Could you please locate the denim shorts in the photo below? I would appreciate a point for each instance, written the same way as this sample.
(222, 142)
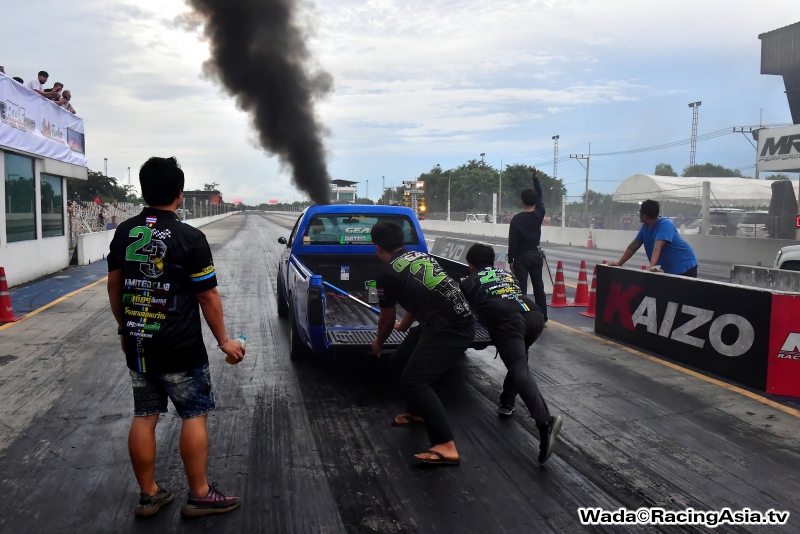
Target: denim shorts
(190, 392)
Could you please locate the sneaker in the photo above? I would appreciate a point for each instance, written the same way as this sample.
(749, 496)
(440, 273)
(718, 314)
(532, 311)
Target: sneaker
(150, 504)
(505, 410)
(548, 433)
(213, 503)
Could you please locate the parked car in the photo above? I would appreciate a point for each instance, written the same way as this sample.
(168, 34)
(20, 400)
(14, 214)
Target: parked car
(722, 221)
(477, 217)
(754, 224)
(788, 258)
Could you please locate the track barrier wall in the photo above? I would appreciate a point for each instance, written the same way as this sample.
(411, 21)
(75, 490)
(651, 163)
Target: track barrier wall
(740, 250)
(94, 246)
(745, 334)
(766, 278)
(456, 250)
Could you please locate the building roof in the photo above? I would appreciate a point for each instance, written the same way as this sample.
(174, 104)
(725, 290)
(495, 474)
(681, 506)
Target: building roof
(689, 190)
(783, 29)
(343, 183)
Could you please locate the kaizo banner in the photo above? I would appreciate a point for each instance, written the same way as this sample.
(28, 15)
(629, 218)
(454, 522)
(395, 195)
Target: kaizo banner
(720, 328)
(31, 123)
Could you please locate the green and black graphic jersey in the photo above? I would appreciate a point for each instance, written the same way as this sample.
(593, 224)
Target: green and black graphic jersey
(420, 286)
(164, 263)
(494, 294)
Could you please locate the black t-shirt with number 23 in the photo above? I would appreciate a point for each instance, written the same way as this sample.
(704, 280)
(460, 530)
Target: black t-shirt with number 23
(164, 264)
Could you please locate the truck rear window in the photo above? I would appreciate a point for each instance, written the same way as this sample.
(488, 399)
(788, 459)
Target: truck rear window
(353, 229)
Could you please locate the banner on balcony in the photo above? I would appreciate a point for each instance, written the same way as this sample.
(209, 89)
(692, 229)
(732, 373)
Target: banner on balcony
(33, 124)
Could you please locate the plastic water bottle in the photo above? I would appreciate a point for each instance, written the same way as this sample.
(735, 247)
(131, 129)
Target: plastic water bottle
(241, 340)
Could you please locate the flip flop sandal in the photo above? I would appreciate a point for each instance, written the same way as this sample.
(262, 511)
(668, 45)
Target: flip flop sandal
(441, 460)
(410, 422)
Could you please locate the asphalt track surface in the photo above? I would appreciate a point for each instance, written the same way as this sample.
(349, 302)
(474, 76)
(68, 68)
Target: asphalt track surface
(309, 445)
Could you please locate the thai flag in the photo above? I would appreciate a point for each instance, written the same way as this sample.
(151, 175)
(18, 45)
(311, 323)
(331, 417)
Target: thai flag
(151, 220)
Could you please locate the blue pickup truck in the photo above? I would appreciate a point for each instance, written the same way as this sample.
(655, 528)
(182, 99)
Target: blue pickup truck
(332, 244)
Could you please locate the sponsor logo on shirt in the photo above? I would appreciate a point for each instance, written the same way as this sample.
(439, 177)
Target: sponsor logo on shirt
(144, 326)
(146, 284)
(143, 300)
(144, 314)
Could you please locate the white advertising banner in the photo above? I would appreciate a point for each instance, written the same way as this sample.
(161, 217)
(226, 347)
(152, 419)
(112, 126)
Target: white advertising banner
(31, 123)
(779, 149)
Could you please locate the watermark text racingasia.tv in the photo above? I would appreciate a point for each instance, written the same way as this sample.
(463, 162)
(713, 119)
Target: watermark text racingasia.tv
(686, 517)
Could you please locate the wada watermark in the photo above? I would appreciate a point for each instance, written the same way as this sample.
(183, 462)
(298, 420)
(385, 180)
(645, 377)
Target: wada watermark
(689, 516)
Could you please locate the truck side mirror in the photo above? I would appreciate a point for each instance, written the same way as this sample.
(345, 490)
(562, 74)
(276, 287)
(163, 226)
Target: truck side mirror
(282, 240)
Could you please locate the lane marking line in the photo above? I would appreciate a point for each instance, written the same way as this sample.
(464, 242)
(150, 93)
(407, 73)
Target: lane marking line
(51, 304)
(730, 387)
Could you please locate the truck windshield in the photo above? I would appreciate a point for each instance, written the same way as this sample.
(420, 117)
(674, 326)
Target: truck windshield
(353, 229)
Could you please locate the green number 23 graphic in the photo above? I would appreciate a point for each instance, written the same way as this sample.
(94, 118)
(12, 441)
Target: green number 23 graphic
(132, 252)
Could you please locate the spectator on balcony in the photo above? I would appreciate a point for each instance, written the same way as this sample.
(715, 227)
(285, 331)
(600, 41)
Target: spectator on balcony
(97, 199)
(66, 96)
(37, 85)
(2, 69)
(78, 199)
(54, 93)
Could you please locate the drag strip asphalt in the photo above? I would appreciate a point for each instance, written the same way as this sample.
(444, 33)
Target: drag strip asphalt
(309, 447)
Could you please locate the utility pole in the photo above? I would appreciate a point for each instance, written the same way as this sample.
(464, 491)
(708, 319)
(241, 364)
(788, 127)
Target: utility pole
(105, 167)
(555, 156)
(383, 190)
(586, 157)
(129, 176)
(367, 195)
(695, 108)
(500, 195)
(744, 130)
(482, 159)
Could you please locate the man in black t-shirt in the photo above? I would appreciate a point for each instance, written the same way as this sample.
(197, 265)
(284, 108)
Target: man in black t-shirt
(446, 329)
(159, 270)
(525, 256)
(514, 323)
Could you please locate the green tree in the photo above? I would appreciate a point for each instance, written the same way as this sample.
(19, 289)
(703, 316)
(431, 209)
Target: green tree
(106, 186)
(665, 169)
(210, 187)
(709, 170)
(778, 176)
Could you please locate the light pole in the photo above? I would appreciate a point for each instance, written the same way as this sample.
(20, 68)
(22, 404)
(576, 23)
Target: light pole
(500, 193)
(482, 159)
(586, 194)
(105, 167)
(555, 156)
(383, 190)
(449, 177)
(695, 108)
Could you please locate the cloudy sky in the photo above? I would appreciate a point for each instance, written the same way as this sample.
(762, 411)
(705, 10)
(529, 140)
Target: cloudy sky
(418, 83)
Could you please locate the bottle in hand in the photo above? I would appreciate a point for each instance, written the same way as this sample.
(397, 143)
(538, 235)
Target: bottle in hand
(241, 340)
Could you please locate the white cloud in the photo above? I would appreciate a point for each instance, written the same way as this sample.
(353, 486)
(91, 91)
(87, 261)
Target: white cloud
(416, 82)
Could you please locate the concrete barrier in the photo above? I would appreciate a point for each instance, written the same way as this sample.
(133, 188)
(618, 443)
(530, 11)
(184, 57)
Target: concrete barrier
(731, 250)
(766, 278)
(94, 246)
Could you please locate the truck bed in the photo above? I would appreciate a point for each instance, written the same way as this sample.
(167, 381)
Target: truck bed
(352, 326)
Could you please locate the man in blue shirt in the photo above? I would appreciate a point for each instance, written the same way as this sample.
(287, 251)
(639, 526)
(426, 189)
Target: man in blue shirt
(663, 244)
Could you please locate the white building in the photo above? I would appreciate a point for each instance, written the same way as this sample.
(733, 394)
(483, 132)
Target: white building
(343, 191)
(41, 145)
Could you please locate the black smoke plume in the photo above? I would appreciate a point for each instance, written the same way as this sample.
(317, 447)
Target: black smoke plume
(259, 55)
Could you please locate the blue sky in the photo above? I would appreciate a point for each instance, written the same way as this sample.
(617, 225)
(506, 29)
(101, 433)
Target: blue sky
(419, 83)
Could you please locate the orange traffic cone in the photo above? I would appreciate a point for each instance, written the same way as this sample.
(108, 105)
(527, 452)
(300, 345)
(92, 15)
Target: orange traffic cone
(590, 244)
(590, 312)
(582, 292)
(559, 299)
(6, 311)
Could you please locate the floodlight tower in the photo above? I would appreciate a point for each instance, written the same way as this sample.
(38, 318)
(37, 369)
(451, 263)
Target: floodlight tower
(695, 108)
(555, 157)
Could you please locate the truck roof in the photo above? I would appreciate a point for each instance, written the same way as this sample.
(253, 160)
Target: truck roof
(360, 208)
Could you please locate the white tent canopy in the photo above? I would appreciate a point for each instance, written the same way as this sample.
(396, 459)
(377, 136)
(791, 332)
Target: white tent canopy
(737, 192)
